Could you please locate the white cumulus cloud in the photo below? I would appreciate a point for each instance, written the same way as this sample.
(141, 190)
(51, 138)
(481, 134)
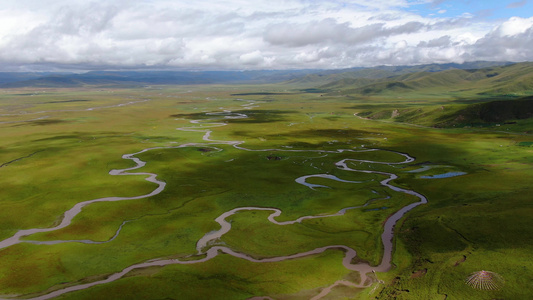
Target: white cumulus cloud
(239, 34)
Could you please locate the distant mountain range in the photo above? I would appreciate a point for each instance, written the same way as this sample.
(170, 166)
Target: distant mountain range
(384, 72)
(355, 77)
(141, 78)
(503, 79)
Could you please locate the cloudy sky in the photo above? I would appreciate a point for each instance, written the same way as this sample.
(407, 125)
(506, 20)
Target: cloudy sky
(259, 34)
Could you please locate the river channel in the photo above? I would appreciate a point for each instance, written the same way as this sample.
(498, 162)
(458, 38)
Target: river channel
(205, 250)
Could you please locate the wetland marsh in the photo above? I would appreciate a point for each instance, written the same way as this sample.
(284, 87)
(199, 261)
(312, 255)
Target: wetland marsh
(189, 192)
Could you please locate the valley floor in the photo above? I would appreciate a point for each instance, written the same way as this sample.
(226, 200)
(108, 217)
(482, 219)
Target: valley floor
(266, 196)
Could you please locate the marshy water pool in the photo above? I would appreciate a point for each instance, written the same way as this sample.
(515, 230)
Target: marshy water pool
(445, 175)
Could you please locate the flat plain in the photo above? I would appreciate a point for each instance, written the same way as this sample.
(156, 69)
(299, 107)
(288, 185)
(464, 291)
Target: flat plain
(260, 149)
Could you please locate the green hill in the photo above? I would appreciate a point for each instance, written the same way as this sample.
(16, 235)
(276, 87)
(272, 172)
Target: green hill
(451, 98)
(509, 79)
(491, 112)
(335, 78)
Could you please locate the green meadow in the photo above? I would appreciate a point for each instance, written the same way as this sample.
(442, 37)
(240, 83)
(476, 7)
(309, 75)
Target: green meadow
(57, 147)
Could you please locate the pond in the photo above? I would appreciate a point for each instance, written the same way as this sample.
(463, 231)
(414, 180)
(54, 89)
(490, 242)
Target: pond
(445, 175)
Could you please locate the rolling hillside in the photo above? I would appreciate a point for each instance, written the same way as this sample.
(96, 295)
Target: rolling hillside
(492, 96)
(362, 76)
(515, 78)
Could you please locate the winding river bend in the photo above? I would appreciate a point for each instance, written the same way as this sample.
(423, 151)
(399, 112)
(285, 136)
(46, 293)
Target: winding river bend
(204, 249)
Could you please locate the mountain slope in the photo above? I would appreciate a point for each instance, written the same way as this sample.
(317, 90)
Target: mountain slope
(331, 77)
(515, 78)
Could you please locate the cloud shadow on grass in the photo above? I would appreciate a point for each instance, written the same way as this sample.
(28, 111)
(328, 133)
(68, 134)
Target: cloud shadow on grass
(254, 116)
(44, 122)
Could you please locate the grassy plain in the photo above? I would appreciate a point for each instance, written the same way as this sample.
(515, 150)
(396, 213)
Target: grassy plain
(58, 145)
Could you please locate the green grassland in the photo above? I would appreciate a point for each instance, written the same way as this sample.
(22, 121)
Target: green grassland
(58, 145)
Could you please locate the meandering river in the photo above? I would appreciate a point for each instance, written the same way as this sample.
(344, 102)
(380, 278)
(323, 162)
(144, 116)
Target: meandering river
(204, 249)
